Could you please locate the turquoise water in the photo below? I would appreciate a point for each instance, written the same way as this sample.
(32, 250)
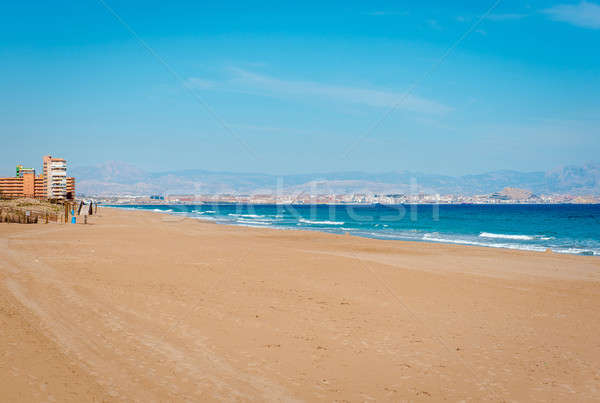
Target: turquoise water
(573, 229)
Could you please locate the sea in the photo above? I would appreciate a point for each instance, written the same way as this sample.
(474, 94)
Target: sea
(563, 228)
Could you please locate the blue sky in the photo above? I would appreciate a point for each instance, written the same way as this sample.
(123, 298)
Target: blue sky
(309, 87)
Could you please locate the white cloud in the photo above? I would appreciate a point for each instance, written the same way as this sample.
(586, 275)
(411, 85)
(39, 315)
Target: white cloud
(251, 83)
(199, 83)
(584, 14)
(434, 25)
(505, 17)
(494, 17)
(377, 13)
(380, 13)
(383, 99)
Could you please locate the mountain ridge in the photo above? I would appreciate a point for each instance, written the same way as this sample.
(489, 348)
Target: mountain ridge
(119, 178)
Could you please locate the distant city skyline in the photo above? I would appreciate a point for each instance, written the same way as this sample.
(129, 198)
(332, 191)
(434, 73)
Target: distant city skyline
(451, 88)
(118, 178)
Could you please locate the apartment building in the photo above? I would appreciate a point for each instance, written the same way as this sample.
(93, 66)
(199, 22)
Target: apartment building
(22, 171)
(53, 183)
(55, 176)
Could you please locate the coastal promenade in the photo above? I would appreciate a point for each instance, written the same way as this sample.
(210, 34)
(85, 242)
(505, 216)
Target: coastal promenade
(145, 306)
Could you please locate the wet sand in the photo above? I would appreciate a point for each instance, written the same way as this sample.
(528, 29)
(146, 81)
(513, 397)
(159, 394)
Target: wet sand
(149, 307)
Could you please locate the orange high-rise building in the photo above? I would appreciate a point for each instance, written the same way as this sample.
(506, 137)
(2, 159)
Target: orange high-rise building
(52, 184)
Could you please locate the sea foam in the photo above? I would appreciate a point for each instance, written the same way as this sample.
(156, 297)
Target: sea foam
(429, 237)
(314, 222)
(507, 236)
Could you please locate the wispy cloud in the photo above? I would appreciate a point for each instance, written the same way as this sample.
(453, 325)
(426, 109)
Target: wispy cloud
(381, 13)
(377, 13)
(250, 82)
(506, 17)
(494, 17)
(370, 97)
(433, 24)
(584, 14)
(274, 129)
(199, 83)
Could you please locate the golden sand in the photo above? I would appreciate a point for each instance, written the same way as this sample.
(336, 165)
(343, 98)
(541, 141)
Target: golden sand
(148, 307)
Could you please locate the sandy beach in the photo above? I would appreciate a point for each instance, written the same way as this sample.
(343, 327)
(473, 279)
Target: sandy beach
(141, 306)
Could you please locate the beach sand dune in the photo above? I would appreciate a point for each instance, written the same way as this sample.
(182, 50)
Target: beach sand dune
(146, 307)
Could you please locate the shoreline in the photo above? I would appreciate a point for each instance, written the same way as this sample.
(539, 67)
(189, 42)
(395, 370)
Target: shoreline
(345, 204)
(506, 245)
(142, 306)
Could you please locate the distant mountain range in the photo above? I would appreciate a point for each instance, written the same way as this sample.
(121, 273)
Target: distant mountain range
(118, 178)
